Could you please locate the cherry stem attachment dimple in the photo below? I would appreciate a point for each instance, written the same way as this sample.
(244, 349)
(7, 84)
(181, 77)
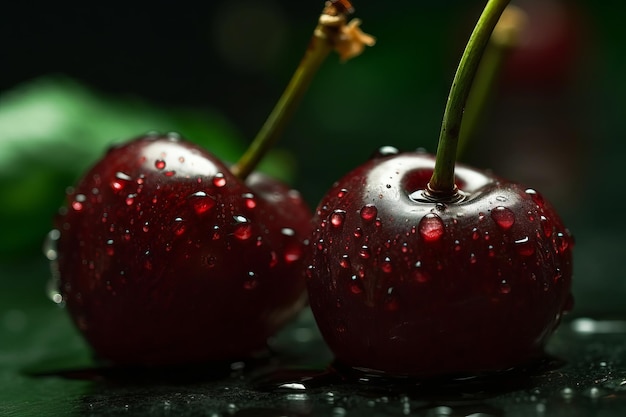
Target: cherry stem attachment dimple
(442, 182)
(333, 32)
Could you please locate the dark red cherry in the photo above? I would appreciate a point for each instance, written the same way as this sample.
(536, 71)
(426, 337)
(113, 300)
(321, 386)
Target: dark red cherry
(406, 284)
(165, 257)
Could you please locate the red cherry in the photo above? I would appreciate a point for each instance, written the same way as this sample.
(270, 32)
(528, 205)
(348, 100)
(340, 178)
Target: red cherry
(475, 284)
(166, 257)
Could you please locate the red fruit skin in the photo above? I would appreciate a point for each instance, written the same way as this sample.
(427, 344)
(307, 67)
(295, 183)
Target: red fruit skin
(166, 258)
(427, 289)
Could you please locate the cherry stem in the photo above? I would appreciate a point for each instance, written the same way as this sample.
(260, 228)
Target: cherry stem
(504, 39)
(442, 182)
(332, 32)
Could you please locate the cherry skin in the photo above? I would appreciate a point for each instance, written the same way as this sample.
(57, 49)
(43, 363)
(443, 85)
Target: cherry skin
(165, 257)
(405, 285)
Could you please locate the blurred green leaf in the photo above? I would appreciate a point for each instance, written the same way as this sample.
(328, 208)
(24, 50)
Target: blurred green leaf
(53, 129)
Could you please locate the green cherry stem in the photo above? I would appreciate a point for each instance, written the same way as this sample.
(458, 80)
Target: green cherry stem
(332, 32)
(504, 39)
(441, 184)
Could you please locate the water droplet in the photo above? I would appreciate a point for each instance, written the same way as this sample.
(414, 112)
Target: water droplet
(344, 262)
(491, 251)
(475, 234)
(546, 225)
(503, 217)
(251, 282)
(505, 287)
(201, 202)
(342, 193)
(369, 212)
(159, 164)
(473, 258)
(179, 226)
(365, 252)
(431, 227)
(337, 218)
(120, 181)
(169, 173)
(358, 233)
(355, 285)
(457, 246)
(561, 242)
(130, 199)
(77, 204)
(501, 198)
(524, 246)
(386, 265)
(50, 244)
(219, 180)
(537, 198)
(287, 231)
(292, 253)
(109, 249)
(384, 151)
(243, 228)
(249, 200)
(146, 227)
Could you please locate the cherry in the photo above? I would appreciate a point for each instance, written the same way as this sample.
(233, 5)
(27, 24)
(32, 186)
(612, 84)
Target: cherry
(166, 256)
(421, 267)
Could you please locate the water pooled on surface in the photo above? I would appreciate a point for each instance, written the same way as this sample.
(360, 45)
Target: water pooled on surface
(431, 227)
(369, 212)
(503, 217)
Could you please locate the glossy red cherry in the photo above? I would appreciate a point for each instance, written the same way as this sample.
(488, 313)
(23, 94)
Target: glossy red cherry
(405, 285)
(165, 257)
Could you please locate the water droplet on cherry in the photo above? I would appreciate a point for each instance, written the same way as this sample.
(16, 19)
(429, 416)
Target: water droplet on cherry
(179, 226)
(384, 151)
(342, 193)
(386, 265)
(344, 262)
(243, 228)
(524, 246)
(503, 217)
(251, 282)
(159, 164)
(536, 197)
(369, 212)
(364, 252)
(431, 227)
(337, 218)
(201, 202)
(218, 180)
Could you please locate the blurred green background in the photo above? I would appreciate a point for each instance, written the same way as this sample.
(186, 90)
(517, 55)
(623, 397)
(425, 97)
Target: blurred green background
(78, 77)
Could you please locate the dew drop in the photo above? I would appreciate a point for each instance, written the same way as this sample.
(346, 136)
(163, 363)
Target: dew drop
(546, 225)
(120, 181)
(243, 228)
(344, 262)
(159, 164)
(109, 249)
(287, 231)
(130, 199)
(503, 217)
(505, 287)
(179, 226)
(364, 252)
(273, 259)
(561, 242)
(369, 212)
(536, 197)
(337, 218)
(473, 258)
(146, 227)
(431, 227)
(169, 173)
(355, 285)
(219, 180)
(475, 234)
(342, 193)
(292, 253)
(201, 202)
(501, 198)
(384, 151)
(249, 200)
(524, 246)
(358, 233)
(386, 265)
(457, 246)
(77, 204)
(251, 282)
